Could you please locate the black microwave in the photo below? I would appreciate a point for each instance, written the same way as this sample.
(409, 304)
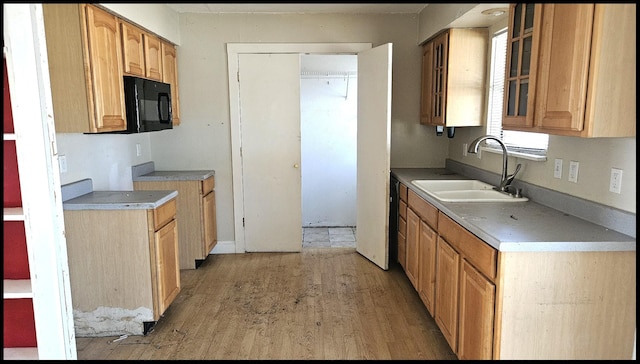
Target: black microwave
(148, 105)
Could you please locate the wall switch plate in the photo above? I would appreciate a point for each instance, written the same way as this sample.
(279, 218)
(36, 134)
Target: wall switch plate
(465, 146)
(573, 171)
(62, 160)
(557, 169)
(138, 150)
(615, 184)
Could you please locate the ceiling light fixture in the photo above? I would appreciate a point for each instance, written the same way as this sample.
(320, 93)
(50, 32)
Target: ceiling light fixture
(495, 11)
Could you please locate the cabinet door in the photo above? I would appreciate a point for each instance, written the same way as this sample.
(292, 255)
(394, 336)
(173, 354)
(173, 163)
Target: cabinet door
(166, 265)
(439, 79)
(427, 268)
(413, 235)
(563, 66)
(522, 50)
(132, 50)
(209, 225)
(152, 57)
(447, 280)
(477, 304)
(105, 60)
(426, 90)
(170, 76)
(402, 232)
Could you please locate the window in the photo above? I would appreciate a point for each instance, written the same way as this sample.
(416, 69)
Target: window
(523, 144)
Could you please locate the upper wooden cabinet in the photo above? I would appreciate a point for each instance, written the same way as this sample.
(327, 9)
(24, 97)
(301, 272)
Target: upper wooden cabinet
(85, 64)
(571, 70)
(152, 57)
(454, 77)
(141, 52)
(170, 76)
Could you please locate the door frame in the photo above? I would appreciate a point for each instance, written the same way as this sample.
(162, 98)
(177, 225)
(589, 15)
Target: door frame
(233, 50)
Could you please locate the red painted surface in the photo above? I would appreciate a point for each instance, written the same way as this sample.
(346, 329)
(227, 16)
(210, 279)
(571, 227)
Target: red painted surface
(8, 117)
(19, 327)
(11, 189)
(19, 323)
(15, 258)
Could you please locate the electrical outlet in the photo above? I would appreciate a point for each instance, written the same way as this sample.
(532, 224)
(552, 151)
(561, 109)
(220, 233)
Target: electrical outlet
(557, 169)
(573, 171)
(465, 147)
(62, 160)
(615, 184)
(138, 150)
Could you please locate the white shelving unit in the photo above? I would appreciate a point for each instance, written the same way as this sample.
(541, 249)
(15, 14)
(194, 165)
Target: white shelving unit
(48, 288)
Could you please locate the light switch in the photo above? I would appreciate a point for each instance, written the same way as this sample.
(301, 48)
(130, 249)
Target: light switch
(557, 169)
(62, 160)
(573, 171)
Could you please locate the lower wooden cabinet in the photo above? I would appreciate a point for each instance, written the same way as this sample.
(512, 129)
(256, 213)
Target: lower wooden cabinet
(196, 204)
(123, 268)
(492, 304)
(427, 266)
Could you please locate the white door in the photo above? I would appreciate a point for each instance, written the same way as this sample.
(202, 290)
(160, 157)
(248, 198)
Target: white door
(270, 150)
(374, 145)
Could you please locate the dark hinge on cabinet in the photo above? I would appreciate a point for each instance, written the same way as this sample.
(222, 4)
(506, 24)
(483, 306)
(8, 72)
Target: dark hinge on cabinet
(238, 75)
(243, 222)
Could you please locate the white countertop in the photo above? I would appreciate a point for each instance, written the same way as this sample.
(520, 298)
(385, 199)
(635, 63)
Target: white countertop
(520, 226)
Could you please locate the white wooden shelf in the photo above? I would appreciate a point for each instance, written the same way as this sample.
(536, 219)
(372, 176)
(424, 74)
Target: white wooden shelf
(17, 288)
(9, 136)
(13, 214)
(20, 354)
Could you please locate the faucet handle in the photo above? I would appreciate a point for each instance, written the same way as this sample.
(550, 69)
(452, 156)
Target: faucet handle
(516, 171)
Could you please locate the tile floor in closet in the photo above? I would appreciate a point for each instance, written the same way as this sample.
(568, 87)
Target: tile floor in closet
(328, 237)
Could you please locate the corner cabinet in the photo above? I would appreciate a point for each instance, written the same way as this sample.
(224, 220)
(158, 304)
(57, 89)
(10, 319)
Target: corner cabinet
(85, 65)
(170, 76)
(454, 72)
(571, 69)
(123, 265)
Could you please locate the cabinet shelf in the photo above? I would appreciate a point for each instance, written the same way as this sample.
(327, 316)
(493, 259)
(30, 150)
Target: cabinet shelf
(17, 288)
(13, 214)
(20, 354)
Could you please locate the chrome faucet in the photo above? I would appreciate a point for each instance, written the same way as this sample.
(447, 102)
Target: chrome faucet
(506, 180)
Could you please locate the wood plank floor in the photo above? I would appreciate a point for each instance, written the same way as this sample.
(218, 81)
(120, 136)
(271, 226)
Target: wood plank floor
(329, 303)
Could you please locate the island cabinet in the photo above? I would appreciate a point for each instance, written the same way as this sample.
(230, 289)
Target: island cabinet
(85, 64)
(529, 304)
(196, 212)
(571, 69)
(453, 78)
(123, 264)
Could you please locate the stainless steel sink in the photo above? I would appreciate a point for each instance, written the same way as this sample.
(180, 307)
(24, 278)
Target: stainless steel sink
(464, 191)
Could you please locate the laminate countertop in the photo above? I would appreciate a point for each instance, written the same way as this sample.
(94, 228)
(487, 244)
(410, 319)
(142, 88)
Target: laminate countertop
(147, 172)
(80, 196)
(519, 226)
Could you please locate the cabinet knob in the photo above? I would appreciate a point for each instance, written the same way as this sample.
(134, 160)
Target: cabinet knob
(296, 165)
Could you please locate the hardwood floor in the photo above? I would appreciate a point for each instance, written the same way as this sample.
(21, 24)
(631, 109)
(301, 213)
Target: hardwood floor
(329, 303)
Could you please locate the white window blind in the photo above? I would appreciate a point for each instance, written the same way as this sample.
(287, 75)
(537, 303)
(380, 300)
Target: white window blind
(516, 141)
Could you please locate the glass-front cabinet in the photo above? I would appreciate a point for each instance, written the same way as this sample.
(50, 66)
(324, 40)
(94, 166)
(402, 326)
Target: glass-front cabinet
(520, 75)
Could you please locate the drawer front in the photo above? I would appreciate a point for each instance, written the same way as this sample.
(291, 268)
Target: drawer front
(476, 251)
(208, 185)
(403, 192)
(164, 213)
(425, 210)
(402, 209)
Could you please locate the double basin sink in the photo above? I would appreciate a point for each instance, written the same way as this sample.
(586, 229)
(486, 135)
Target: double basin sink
(464, 191)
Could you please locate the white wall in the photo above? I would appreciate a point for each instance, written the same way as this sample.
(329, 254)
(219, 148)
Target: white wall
(328, 107)
(203, 140)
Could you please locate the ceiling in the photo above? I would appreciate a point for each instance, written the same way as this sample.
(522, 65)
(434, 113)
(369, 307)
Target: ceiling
(473, 18)
(299, 8)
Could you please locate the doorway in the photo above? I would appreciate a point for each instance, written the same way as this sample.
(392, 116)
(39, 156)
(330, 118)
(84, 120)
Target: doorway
(328, 123)
(374, 110)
